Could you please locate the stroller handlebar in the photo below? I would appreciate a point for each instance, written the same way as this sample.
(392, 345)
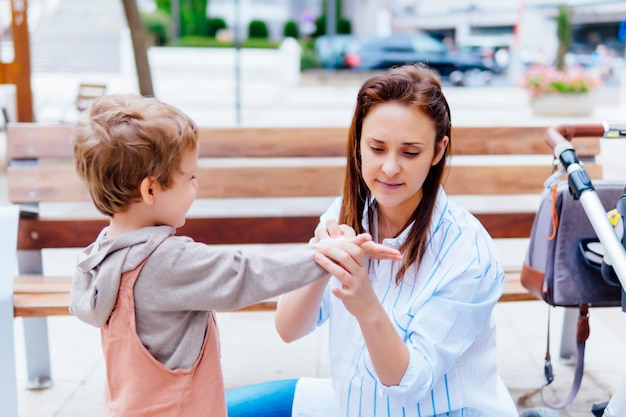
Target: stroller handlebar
(565, 133)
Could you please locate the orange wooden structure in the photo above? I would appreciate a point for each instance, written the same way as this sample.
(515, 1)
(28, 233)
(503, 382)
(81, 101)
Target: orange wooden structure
(18, 71)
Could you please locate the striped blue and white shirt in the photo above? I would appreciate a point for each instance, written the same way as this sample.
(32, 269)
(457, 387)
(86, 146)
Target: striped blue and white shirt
(442, 309)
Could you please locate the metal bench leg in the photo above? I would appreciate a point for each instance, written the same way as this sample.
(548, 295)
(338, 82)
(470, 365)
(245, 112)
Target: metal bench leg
(37, 353)
(567, 353)
(8, 244)
(8, 378)
(35, 331)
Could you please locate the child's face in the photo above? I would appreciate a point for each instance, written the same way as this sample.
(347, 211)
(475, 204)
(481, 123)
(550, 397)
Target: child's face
(172, 204)
(397, 151)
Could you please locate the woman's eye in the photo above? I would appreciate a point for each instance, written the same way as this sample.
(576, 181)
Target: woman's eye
(376, 149)
(411, 154)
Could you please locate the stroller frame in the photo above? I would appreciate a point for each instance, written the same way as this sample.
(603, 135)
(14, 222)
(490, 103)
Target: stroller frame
(581, 188)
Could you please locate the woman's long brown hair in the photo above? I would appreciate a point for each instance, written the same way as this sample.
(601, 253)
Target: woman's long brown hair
(412, 85)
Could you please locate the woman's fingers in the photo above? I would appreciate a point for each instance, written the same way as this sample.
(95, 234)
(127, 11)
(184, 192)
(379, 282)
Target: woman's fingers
(334, 268)
(333, 229)
(346, 231)
(321, 233)
(338, 292)
(347, 253)
(377, 251)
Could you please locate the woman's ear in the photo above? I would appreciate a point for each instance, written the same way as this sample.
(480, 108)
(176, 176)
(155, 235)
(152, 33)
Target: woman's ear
(146, 190)
(440, 150)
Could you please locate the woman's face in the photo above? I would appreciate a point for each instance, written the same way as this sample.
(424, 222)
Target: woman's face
(397, 151)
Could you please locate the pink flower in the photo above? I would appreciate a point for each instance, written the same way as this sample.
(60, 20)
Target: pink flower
(544, 79)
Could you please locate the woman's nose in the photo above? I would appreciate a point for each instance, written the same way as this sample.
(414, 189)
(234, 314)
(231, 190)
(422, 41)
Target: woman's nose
(390, 166)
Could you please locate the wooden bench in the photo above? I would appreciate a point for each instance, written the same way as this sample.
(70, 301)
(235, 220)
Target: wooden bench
(87, 93)
(258, 186)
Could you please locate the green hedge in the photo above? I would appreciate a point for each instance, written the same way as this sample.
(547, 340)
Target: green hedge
(291, 30)
(214, 25)
(257, 29)
(206, 41)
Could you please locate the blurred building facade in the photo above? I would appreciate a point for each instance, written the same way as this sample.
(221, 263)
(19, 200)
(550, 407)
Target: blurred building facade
(526, 25)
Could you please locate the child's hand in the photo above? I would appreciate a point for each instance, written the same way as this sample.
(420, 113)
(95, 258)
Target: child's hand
(334, 230)
(364, 241)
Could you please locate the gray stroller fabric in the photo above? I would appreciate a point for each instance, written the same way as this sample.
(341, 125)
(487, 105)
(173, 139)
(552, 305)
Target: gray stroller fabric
(569, 281)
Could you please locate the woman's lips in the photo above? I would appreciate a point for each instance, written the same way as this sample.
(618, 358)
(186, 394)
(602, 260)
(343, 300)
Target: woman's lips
(390, 185)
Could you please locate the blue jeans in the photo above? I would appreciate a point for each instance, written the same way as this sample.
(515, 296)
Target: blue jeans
(266, 399)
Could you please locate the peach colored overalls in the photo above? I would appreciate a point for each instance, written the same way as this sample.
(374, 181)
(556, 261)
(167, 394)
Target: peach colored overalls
(139, 386)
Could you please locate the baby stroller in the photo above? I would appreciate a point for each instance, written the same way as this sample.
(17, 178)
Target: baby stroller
(613, 262)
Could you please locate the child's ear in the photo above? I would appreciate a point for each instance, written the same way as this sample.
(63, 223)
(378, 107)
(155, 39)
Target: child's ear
(146, 190)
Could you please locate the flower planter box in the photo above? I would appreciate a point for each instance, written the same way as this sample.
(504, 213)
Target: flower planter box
(564, 104)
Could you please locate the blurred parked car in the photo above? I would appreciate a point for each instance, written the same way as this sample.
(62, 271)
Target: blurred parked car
(329, 50)
(496, 58)
(386, 52)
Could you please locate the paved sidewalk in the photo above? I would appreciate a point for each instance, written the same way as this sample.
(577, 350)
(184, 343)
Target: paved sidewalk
(78, 371)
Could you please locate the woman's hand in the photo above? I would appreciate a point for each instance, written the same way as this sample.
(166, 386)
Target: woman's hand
(332, 229)
(345, 259)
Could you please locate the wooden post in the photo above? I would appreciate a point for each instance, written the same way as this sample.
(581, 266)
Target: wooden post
(18, 72)
(138, 37)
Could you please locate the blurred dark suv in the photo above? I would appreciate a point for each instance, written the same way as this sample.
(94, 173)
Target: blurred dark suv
(385, 52)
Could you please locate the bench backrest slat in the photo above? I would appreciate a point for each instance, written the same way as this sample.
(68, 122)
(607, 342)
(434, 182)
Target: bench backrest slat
(32, 184)
(34, 141)
(512, 140)
(41, 233)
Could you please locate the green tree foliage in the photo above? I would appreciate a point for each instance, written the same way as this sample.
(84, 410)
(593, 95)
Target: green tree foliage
(193, 19)
(564, 35)
(344, 26)
(308, 57)
(257, 29)
(164, 5)
(291, 30)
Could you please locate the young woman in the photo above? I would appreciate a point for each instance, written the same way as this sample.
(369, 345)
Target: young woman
(414, 337)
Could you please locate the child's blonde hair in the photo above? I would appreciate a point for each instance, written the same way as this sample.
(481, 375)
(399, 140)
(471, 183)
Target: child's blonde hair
(122, 139)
